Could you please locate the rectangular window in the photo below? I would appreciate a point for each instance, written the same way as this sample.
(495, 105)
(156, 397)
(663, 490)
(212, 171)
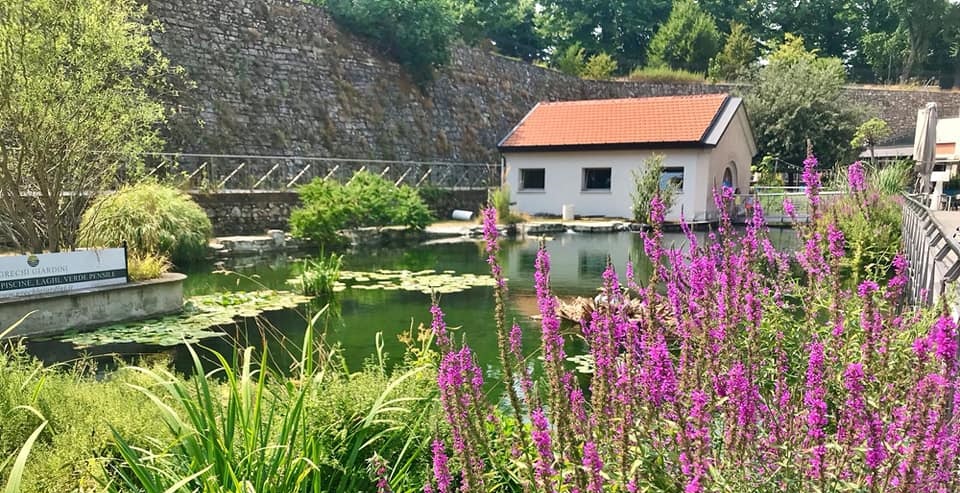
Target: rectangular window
(672, 178)
(596, 179)
(532, 178)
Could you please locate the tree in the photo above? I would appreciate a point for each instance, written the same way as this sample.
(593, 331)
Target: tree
(73, 105)
(571, 60)
(417, 34)
(869, 134)
(886, 54)
(504, 26)
(687, 41)
(922, 22)
(647, 184)
(599, 66)
(798, 96)
(622, 28)
(739, 52)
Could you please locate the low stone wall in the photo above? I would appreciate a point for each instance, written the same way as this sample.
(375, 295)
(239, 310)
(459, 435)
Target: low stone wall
(244, 212)
(56, 313)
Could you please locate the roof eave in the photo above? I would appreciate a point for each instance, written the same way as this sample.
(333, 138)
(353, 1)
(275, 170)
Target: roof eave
(620, 146)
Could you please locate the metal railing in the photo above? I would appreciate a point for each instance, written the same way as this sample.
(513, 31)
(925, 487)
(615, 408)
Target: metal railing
(214, 172)
(933, 253)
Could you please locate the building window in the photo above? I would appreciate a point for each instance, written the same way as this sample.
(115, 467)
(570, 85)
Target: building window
(596, 178)
(532, 178)
(672, 178)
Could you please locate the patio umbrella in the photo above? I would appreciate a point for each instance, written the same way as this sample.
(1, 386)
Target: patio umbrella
(925, 144)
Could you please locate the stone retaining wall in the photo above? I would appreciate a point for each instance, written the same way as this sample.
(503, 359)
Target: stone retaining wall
(278, 77)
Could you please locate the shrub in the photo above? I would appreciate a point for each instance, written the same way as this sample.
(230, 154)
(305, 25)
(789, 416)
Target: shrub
(666, 75)
(416, 34)
(500, 200)
(646, 186)
(893, 178)
(599, 66)
(152, 219)
(366, 200)
(570, 60)
(142, 267)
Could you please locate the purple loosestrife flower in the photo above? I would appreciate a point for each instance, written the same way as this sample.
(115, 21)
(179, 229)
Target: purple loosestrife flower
(852, 423)
(943, 338)
(550, 322)
(441, 472)
(657, 375)
(541, 439)
(657, 211)
(594, 465)
(439, 327)
(697, 434)
(811, 180)
(789, 209)
(901, 275)
(856, 177)
(491, 234)
(813, 400)
(836, 241)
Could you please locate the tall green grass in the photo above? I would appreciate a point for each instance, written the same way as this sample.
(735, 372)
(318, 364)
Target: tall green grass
(152, 219)
(320, 275)
(262, 431)
(666, 75)
(893, 178)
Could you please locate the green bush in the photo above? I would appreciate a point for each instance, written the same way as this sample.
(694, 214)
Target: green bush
(415, 34)
(152, 219)
(367, 200)
(79, 410)
(600, 66)
(646, 185)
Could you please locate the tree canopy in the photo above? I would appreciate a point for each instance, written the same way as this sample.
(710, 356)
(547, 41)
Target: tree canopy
(687, 41)
(796, 97)
(73, 106)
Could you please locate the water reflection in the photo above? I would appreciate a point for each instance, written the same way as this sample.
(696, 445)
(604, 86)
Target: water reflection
(577, 263)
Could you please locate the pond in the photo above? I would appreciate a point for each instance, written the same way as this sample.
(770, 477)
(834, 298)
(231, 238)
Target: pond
(356, 316)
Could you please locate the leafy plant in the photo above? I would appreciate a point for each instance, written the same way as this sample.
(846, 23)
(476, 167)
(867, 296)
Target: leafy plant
(892, 178)
(647, 184)
(153, 219)
(687, 41)
(320, 276)
(416, 34)
(600, 66)
(259, 430)
(142, 267)
(366, 200)
(501, 200)
(738, 54)
(570, 60)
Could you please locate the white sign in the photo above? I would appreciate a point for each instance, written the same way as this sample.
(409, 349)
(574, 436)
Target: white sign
(26, 275)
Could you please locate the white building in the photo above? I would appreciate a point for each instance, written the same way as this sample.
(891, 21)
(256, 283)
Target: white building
(583, 153)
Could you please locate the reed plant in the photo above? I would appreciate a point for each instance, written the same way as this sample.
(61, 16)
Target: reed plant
(256, 431)
(320, 275)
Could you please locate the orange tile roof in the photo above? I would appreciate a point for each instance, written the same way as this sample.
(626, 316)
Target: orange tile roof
(633, 121)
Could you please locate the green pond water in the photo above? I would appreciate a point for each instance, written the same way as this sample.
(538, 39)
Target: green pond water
(356, 316)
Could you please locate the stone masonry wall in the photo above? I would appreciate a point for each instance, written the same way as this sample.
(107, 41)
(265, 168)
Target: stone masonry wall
(278, 77)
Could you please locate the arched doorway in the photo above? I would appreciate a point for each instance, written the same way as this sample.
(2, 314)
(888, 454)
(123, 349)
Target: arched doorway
(730, 176)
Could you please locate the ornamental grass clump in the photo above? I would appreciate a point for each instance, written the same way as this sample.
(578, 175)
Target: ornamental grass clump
(746, 369)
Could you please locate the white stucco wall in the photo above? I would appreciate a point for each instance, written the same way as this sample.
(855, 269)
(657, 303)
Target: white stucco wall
(563, 178)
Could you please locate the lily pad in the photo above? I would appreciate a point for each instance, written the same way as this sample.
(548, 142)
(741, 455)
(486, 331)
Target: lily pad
(200, 315)
(426, 281)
